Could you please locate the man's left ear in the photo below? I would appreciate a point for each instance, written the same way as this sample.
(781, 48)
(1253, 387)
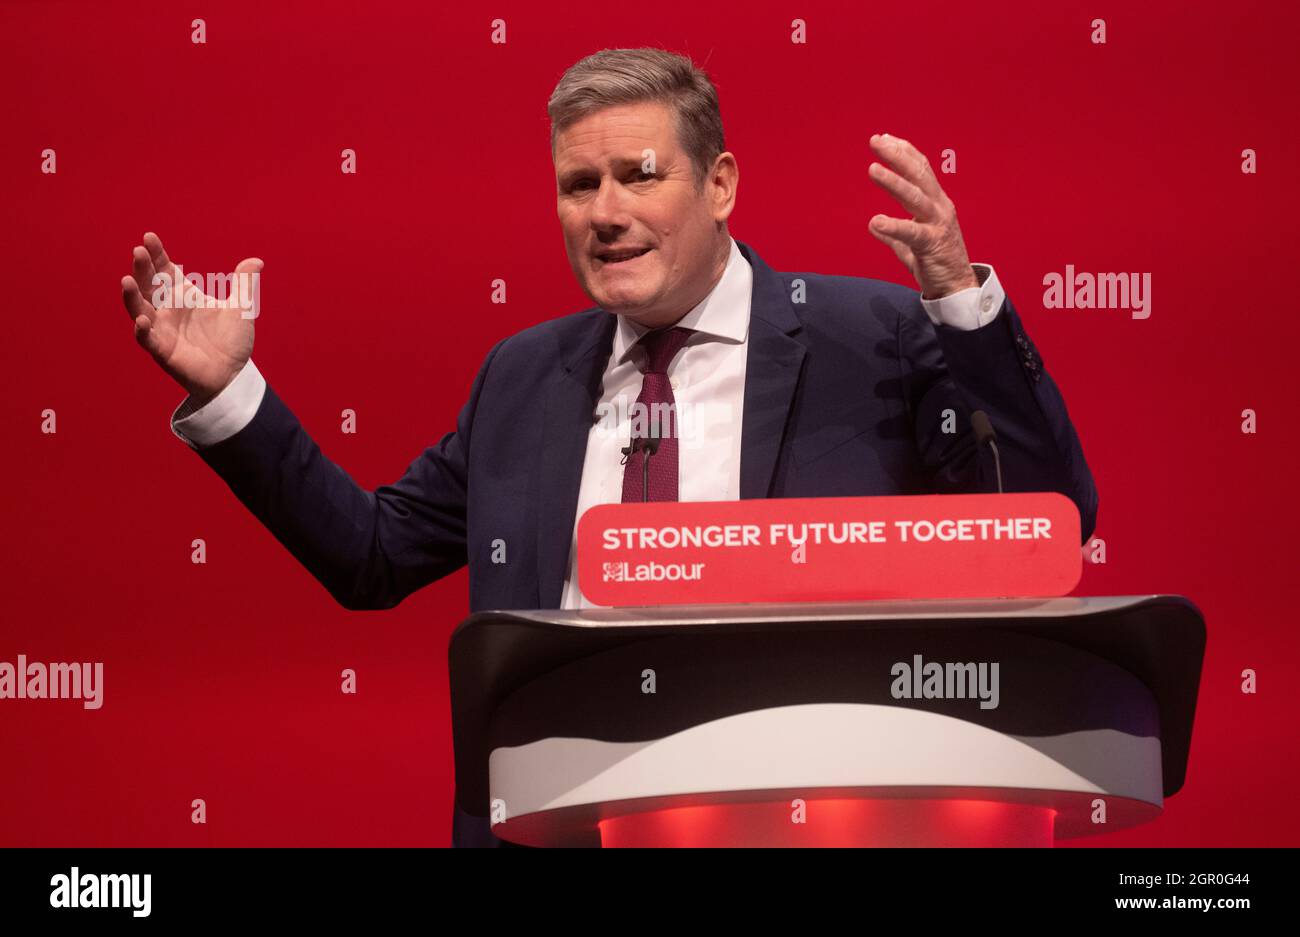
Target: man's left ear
(725, 187)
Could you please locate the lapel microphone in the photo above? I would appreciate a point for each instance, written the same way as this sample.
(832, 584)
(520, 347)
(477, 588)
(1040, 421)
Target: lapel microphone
(649, 445)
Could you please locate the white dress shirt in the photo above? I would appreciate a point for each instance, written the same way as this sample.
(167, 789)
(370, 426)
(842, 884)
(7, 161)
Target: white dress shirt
(707, 378)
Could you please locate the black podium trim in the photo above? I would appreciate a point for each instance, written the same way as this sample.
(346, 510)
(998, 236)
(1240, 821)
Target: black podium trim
(1160, 639)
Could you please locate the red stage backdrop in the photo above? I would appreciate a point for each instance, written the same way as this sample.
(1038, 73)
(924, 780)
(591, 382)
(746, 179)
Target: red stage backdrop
(222, 680)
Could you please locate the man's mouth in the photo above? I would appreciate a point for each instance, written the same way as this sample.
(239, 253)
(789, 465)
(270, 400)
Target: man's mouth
(622, 256)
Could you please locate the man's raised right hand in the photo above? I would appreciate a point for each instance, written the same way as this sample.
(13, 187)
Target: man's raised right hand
(202, 348)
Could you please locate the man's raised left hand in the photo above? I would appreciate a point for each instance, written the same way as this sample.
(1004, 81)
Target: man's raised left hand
(929, 244)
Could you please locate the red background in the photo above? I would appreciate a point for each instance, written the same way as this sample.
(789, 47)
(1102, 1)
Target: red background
(222, 680)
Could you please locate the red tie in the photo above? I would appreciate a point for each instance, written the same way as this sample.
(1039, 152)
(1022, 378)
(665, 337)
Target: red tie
(657, 416)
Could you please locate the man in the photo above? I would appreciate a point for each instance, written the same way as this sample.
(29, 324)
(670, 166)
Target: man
(809, 385)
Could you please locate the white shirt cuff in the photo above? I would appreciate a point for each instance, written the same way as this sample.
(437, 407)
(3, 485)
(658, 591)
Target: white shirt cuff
(225, 414)
(971, 308)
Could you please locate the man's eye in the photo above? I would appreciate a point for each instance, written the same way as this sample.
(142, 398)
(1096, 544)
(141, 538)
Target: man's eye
(588, 183)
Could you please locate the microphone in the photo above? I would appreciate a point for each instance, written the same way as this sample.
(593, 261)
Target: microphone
(983, 429)
(649, 445)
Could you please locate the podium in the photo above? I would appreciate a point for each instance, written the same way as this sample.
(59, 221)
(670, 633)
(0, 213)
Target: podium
(820, 724)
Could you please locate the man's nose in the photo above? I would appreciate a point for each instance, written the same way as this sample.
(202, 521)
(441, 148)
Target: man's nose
(608, 209)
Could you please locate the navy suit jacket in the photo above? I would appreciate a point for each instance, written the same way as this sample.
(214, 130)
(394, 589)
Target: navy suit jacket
(845, 393)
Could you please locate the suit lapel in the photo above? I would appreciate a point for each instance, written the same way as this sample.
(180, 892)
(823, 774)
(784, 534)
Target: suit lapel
(571, 398)
(772, 368)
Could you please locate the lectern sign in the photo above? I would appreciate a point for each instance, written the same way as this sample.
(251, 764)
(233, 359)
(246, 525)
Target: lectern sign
(829, 549)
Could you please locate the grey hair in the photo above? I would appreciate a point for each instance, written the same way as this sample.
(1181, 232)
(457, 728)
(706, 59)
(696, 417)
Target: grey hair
(632, 76)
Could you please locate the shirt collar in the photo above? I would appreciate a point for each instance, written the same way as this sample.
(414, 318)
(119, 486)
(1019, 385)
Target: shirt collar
(722, 314)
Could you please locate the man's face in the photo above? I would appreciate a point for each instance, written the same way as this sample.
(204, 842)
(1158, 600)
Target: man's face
(609, 209)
